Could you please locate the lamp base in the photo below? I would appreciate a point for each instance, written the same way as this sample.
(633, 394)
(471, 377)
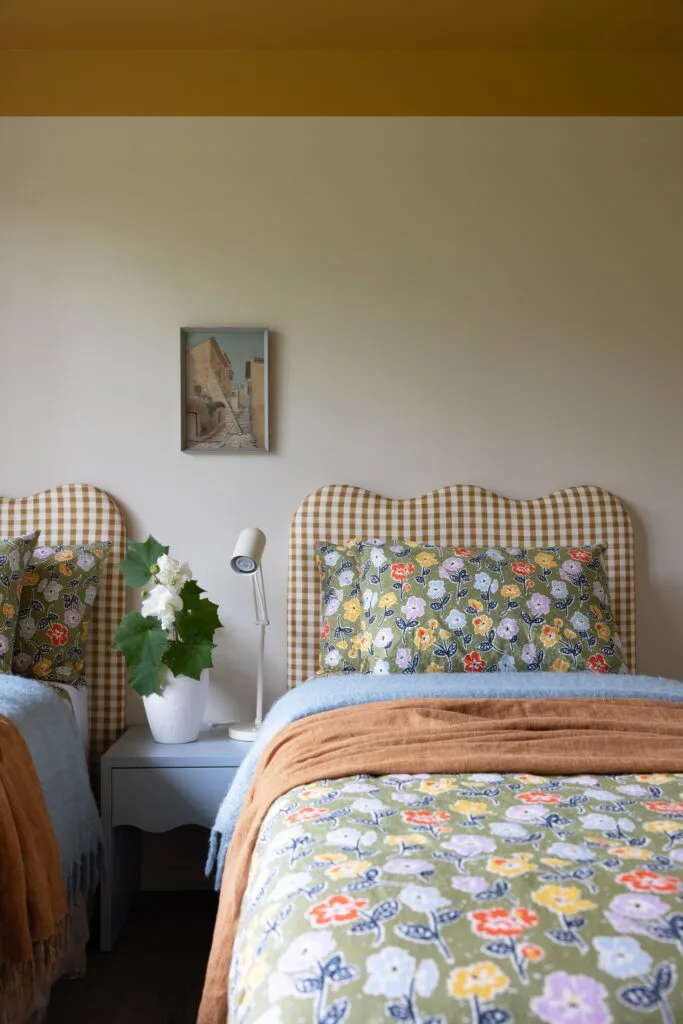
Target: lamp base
(245, 731)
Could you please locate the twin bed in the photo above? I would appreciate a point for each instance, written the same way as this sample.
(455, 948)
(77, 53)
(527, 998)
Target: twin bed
(50, 836)
(494, 843)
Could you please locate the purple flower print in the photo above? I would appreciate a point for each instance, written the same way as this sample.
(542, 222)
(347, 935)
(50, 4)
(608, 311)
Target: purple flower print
(469, 846)
(585, 780)
(538, 604)
(21, 662)
(332, 606)
(508, 629)
(570, 998)
(72, 618)
(403, 657)
(558, 589)
(469, 883)
(4, 645)
(414, 607)
(42, 553)
(531, 812)
(569, 569)
(632, 790)
(632, 912)
(409, 866)
(528, 653)
(405, 798)
(452, 564)
(676, 855)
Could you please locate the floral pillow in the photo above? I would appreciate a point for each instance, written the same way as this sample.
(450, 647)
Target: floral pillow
(57, 599)
(15, 555)
(340, 606)
(433, 609)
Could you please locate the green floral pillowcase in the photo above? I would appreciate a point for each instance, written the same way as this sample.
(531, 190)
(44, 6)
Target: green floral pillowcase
(15, 555)
(59, 591)
(341, 609)
(433, 609)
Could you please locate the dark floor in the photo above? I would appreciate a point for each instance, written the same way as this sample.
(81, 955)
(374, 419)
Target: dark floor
(155, 972)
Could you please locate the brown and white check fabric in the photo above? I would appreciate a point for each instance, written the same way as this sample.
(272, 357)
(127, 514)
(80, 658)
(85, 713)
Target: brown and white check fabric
(81, 514)
(461, 515)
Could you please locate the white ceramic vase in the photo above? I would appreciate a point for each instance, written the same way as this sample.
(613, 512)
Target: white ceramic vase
(175, 716)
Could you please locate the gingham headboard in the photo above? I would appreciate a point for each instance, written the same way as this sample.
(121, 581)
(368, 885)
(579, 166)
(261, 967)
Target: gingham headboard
(76, 514)
(458, 515)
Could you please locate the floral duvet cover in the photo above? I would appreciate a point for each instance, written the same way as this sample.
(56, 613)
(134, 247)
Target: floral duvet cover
(488, 898)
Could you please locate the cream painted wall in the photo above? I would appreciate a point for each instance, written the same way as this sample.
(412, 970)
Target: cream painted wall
(480, 300)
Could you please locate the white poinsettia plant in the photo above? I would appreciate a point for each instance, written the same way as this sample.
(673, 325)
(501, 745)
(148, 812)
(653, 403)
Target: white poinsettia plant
(175, 626)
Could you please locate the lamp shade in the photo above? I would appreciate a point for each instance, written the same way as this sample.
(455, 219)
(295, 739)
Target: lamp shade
(248, 552)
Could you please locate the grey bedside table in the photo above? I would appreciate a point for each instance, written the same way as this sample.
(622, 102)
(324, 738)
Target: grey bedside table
(155, 787)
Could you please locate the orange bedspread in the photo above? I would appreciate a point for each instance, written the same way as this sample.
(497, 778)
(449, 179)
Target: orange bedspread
(549, 737)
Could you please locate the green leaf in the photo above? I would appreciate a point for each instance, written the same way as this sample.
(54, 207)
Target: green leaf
(137, 565)
(198, 621)
(188, 659)
(143, 644)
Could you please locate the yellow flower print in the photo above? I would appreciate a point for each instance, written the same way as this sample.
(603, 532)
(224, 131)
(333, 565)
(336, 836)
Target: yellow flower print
(530, 778)
(351, 542)
(550, 636)
(312, 792)
(656, 779)
(545, 560)
(473, 807)
(42, 668)
(597, 612)
(562, 899)
(559, 665)
(8, 611)
(30, 579)
(510, 590)
(437, 785)
(353, 653)
(330, 858)
(558, 623)
(352, 609)
(85, 629)
(474, 606)
(603, 631)
(433, 623)
(433, 667)
(258, 974)
(362, 641)
(482, 980)
(426, 559)
(423, 638)
(79, 666)
(350, 869)
(510, 867)
(482, 624)
(409, 839)
(570, 634)
(65, 569)
(444, 634)
(631, 852)
(673, 828)
(64, 556)
(342, 644)
(555, 862)
(386, 600)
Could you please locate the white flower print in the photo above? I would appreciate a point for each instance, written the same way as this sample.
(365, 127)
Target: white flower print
(381, 667)
(389, 973)
(426, 978)
(290, 884)
(332, 557)
(423, 898)
(368, 806)
(332, 658)
(385, 637)
(377, 557)
(280, 986)
(306, 950)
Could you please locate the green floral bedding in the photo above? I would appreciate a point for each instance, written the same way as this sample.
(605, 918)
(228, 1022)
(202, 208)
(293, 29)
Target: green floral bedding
(487, 898)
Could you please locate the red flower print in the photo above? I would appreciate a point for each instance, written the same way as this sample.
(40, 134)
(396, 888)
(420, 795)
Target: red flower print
(463, 552)
(531, 952)
(305, 814)
(648, 881)
(597, 663)
(58, 634)
(401, 570)
(325, 630)
(522, 568)
(579, 555)
(336, 910)
(538, 797)
(501, 921)
(662, 807)
(428, 818)
(474, 662)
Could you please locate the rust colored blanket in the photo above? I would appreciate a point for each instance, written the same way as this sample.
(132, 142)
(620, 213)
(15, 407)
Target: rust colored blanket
(549, 737)
(32, 891)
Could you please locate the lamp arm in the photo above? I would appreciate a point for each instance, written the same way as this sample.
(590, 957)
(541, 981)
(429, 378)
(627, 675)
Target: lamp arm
(261, 610)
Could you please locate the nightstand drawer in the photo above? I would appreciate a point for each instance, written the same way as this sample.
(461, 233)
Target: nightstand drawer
(159, 799)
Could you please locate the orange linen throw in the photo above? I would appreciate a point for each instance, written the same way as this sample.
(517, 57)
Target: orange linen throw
(548, 737)
(33, 901)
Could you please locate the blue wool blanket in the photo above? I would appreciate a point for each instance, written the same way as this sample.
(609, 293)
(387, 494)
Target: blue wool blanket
(325, 693)
(49, 729)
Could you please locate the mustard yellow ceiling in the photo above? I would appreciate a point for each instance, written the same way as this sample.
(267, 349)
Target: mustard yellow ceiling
(350, 24)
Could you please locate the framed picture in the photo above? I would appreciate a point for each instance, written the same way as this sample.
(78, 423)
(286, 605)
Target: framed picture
(224, 389)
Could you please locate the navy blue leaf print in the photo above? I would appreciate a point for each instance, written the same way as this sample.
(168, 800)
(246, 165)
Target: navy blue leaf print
(639, 997)
(336, 1012)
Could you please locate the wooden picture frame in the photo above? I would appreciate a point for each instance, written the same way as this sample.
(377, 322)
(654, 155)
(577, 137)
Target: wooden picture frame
(224, 390)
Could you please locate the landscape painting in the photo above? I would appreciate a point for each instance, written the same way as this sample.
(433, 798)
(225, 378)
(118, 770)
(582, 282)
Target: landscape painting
(224, 375)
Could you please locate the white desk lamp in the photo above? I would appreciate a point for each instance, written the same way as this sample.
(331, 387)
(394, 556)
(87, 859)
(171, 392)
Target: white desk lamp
(246, 560)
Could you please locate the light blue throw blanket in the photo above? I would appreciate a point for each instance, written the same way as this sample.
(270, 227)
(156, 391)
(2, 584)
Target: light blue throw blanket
(49, 729)
(324, 693)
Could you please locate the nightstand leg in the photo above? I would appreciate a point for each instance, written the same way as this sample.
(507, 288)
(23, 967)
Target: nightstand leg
(121, 882)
